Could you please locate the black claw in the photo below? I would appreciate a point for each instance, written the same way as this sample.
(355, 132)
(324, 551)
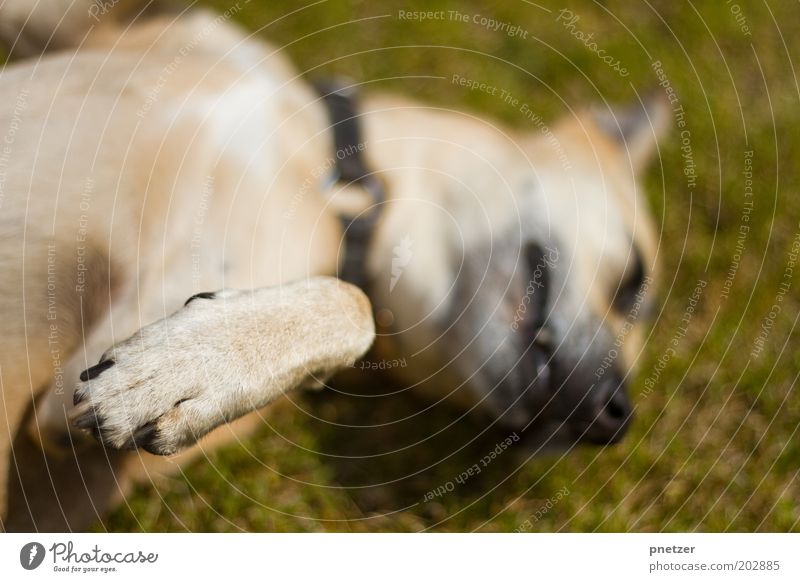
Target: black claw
(142, 437)
(96, 370)
(203, 295)
(154, 450)
(88, 420)
(78, 397)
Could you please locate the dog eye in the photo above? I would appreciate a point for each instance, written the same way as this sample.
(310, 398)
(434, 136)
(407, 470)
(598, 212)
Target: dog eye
(625, 296)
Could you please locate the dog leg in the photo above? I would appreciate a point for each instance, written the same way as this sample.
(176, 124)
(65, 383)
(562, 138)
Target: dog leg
(223, 355)
(61, 479)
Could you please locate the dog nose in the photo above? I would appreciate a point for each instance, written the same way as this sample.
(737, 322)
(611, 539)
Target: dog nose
(610, 413)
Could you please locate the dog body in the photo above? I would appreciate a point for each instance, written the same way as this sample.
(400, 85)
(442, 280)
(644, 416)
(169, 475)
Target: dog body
(179, 156)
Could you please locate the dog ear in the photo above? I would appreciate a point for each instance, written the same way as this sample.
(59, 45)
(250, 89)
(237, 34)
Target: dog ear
(637, 127)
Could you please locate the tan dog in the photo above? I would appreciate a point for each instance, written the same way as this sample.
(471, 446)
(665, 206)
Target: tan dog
(177, 155)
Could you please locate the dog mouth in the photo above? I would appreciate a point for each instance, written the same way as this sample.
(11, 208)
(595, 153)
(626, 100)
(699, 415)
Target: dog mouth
(559, 401)
(553, 408)
(557, 435)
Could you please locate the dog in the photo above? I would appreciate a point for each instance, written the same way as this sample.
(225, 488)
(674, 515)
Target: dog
(174, 237)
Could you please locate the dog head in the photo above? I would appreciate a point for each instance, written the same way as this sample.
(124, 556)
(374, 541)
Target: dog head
(512, 273)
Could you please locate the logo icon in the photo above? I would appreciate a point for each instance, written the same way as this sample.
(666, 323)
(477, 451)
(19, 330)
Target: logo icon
(402, 256)
(31, 555)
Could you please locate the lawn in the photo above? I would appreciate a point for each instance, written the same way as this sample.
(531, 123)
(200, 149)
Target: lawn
(714, 446)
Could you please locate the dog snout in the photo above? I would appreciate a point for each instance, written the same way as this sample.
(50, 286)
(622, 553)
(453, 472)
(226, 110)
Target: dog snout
(610, 412)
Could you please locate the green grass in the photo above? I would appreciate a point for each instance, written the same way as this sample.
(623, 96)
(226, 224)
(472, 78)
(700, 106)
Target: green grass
(714, 447)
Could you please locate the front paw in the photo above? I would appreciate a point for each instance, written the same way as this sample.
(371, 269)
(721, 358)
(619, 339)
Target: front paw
(138, 403)
(223, 355)
(161, 390)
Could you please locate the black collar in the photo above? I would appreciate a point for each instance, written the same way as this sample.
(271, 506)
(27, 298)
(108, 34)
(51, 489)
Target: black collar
(350, 168)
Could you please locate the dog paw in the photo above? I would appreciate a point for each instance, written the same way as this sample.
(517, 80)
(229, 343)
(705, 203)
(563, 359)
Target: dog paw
(219, 357)
(165, 387)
